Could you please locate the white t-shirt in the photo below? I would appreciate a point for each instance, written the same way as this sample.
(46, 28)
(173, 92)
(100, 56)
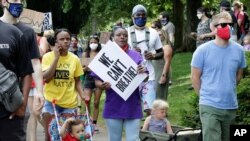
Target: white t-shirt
(154, 44)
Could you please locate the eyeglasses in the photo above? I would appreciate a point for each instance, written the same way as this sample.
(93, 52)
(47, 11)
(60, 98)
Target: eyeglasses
(223, 24)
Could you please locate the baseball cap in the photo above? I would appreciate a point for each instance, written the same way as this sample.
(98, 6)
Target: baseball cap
(139, 8)
(225, 4)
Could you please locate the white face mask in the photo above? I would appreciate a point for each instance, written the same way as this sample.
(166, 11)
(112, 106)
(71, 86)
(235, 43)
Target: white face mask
(199, 16)
(93, 46)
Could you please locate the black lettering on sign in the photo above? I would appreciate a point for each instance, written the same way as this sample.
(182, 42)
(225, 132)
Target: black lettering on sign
(239, 132)
(61, 74)
(105, 60)
(126, 79)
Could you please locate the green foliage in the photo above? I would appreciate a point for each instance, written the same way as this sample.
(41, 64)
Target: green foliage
(243, 113)
(190, 117)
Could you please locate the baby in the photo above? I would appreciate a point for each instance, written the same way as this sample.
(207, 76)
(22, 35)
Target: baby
(246, 42)
(73, 130)
(158, 122)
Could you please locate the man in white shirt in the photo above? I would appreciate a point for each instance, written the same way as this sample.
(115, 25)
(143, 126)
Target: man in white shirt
(146, 41)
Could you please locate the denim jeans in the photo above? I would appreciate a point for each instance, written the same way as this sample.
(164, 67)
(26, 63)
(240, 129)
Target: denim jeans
(115, 127)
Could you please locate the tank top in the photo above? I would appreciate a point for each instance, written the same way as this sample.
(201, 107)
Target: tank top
(157, 125)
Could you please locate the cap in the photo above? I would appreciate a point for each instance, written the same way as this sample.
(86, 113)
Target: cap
(225, 4)
(139, 8)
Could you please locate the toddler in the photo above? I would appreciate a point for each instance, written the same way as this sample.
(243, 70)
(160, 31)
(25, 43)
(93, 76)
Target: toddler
(158, 122)
(246, 42)
(73, 130)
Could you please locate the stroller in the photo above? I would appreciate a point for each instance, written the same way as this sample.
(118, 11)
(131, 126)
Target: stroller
(180, 134)
(57, 121)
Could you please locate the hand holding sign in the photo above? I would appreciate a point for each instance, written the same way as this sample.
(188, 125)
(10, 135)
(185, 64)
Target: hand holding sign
(117, 68)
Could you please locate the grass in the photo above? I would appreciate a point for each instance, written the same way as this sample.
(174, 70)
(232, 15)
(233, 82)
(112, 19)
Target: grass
(179, 95)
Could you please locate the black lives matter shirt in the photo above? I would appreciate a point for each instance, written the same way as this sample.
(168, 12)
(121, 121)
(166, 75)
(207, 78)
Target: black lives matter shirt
(14, 54)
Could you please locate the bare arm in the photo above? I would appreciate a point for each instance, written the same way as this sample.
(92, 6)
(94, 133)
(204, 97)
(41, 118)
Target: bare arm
(44, 46)
(146, 124)
(50, 72)
(196, 81)
(79, 87)
(171, 37)
(65, 126)
(169, 128)
(239, 75)
(168, 52)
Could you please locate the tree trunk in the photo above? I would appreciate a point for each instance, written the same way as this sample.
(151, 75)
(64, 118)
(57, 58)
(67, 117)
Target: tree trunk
(192, 23)
(178, 16)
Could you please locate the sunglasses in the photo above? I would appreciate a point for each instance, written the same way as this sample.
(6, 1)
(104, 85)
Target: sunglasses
(223, 24)
(140, 15)
(93, 36)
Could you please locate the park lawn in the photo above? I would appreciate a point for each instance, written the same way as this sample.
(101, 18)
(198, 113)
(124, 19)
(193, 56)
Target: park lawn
(179, 95)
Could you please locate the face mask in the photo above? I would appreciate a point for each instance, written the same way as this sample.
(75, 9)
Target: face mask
(224, 33)
(15, 9)
(164, 21)
(139, 21)
(93, 46)
(199, 16)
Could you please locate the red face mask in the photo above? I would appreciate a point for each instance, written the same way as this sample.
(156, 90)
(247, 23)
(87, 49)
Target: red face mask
(224, 32)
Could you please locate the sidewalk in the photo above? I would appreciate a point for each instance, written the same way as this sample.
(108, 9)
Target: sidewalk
(100, 136)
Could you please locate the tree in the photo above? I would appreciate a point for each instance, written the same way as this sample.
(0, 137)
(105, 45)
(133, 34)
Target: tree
(66, 13)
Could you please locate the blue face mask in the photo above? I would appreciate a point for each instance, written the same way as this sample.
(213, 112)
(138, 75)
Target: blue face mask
(164, 22)
(140, 21)
(15, 9)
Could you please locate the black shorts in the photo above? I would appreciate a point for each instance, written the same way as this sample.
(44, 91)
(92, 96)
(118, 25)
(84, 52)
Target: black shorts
(12, 129)
(89, 81)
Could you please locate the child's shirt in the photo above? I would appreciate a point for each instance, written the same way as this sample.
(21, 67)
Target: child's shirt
(157, 125)
(246, 47)
(68, 137)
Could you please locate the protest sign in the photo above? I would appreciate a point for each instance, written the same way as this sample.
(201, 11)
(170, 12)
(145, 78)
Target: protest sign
(47, 22)
(113, 65)
(32, 18)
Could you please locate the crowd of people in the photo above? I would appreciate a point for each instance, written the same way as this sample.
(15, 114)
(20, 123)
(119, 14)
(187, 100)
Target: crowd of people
(53, 69)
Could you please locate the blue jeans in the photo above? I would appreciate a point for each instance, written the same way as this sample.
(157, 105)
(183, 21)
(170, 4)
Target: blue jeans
(48, 108)
(115, 126)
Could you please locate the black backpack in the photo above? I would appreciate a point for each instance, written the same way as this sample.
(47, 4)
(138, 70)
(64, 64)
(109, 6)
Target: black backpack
(246, 22)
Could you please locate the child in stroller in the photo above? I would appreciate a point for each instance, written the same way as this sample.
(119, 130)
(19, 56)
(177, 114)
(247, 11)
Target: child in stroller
(73, 130)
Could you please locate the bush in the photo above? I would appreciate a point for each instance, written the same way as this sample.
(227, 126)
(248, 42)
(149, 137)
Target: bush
(191, 117)
(243, 89)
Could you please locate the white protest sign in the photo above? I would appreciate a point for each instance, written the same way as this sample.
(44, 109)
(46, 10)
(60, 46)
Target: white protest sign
(47, 22)
(113, 65)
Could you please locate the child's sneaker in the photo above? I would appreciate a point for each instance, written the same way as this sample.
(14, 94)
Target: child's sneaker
(96, 128)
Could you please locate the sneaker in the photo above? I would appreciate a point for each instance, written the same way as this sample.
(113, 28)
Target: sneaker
(170, 83)
(96, 128)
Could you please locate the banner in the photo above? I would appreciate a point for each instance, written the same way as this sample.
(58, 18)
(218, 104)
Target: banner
(113, 65)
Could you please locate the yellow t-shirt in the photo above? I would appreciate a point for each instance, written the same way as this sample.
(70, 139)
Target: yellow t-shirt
(62, 86)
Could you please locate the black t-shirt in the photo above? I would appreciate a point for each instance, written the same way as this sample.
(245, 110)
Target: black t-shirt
(30, 39)
(13, 53)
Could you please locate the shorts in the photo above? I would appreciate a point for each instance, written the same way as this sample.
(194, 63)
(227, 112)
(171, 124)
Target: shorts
(48, 108)
(89, 81)
(12, 129)
(148, 94)
(32, 92)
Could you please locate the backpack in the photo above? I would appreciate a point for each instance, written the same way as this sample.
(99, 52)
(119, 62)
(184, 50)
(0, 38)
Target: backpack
(133, 36)
(10, 94)
(246, 22)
